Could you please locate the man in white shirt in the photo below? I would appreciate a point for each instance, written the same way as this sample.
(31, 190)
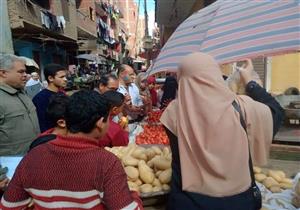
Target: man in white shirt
(131, 92)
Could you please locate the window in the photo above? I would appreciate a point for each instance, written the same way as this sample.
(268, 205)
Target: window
(43, 3)
(92, 17)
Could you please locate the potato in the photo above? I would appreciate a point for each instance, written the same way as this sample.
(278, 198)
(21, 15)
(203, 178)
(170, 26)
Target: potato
(150, 153)
(139, 153)
(161, 163)
(130, 161)
(287, 180)
(138, 182)
(146, 173)
(132, 173)
(285, 185)
(150, 163)
(157, 189)
(157, 150)
(156, 182)
(166, 187)
(280, 173)
(274, 175)
(158, 173)
(131, 147)
(146, 188)
(133, 186)
(269, 182)
(260, 177)
(169, 157)
(143, 157)
(165, 176)
(166, 151)
(275, 189)
(257, 170)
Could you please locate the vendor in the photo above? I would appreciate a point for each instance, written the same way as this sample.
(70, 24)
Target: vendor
(153, 92)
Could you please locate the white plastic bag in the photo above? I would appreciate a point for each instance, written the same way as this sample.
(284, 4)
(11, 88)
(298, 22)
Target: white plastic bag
(235, 83)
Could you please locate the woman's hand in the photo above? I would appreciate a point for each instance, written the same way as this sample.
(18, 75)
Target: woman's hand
(246, 71)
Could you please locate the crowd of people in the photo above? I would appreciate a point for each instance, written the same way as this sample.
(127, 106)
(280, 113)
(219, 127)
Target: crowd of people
(62, 137)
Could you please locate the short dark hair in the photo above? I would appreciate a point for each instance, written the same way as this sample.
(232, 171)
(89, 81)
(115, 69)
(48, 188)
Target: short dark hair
(114, 98)
(52, 69)
(105, 78)
(57, 108)
(85, 108)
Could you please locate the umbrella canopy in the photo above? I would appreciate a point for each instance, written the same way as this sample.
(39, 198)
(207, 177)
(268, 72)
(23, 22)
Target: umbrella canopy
(91, 57)
(29, 62)
(234, 30)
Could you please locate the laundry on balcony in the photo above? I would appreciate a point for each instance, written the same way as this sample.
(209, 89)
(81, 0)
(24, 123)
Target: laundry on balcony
(52, 22)
(61, 21)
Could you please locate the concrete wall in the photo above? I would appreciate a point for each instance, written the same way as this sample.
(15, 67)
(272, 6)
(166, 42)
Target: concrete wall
(83, 17)
(6, 45)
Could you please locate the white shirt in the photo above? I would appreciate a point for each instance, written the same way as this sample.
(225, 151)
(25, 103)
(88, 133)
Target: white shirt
(134, 93)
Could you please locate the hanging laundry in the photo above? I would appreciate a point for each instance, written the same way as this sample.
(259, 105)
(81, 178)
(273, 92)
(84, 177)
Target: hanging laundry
(61, 21)
(45, 20)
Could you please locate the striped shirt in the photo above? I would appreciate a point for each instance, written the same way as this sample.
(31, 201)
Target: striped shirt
(69, 173)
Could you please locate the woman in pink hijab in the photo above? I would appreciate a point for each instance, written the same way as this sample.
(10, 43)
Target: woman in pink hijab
(211, 130)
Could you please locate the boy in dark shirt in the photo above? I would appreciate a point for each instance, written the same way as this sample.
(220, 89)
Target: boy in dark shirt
(56, 77)
(116, 135)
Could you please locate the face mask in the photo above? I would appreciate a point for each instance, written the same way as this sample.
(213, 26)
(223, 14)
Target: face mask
(126, 78)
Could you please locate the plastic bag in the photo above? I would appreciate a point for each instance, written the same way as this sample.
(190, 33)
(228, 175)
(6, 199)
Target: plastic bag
(235, 83)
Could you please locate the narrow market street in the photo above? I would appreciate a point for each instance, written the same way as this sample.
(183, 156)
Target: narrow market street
(149, 105)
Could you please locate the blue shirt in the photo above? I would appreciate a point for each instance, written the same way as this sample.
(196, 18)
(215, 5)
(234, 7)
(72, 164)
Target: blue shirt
(41, 101)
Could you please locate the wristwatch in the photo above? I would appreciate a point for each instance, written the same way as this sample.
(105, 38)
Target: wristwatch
(251, 85)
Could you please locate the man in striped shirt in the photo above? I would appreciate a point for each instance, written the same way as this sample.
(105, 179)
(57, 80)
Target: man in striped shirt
(72, 172)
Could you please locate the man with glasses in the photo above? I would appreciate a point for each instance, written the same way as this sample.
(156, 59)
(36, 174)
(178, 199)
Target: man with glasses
(108, 82)
(18, 119)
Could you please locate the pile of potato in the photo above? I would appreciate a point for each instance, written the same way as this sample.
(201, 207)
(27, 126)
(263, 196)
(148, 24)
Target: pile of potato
(274, 180)
(148, 169)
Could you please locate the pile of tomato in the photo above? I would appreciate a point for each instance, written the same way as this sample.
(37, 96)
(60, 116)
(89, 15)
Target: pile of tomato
(154, 116)
(152, 134)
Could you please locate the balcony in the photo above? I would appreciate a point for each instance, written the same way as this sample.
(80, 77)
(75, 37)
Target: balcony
(27, 18)
(86, 27)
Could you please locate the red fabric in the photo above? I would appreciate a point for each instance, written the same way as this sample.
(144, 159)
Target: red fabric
(115, 136)
(69, 164)
(49, 131)
(154, 98)
(151, 80)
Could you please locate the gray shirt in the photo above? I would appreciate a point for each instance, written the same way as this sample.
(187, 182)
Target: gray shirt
(18, 121)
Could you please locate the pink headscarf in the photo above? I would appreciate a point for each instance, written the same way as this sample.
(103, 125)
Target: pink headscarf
(213, 146)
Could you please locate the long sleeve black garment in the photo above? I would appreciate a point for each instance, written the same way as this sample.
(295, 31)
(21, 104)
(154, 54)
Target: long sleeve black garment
(258, 93)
